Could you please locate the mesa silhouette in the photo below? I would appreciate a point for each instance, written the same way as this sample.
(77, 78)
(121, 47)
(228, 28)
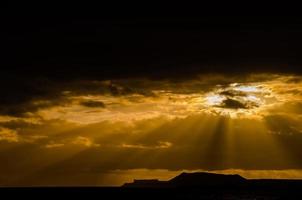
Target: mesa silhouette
(199, 185)
(215, 181)
(196, 179)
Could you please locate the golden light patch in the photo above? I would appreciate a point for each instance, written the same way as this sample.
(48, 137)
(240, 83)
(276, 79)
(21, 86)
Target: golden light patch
(8, 135)
(238, 99)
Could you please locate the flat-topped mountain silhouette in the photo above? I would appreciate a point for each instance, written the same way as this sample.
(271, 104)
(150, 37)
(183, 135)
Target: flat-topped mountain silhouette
(199, 185)
(191, 180)
(203, 178)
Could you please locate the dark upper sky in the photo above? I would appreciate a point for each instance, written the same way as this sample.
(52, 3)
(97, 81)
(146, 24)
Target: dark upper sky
(64, 46)
(72, 89)
(41, 48)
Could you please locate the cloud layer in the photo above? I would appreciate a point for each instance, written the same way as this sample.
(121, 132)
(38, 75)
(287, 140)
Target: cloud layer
(92, 127)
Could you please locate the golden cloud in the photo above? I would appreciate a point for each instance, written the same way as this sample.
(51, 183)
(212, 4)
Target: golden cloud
(8, 135)
(213, 123)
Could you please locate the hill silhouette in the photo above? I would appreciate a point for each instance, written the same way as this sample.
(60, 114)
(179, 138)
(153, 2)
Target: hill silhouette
(199, 185)
(203, 178)
(197, 179)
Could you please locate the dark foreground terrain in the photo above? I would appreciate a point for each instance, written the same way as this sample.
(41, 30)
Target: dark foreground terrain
(184, 186)
(152, 193)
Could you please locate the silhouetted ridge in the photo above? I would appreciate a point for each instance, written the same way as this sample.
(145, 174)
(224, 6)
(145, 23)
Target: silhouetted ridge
(197, 179)
(206, 179)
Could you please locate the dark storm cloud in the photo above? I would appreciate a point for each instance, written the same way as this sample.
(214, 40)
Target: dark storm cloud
(21, 98)
(39, 52)
(232, 93)
(26, 108)
(24, 97)
(18, 124)
(232, 103)
(93, 104)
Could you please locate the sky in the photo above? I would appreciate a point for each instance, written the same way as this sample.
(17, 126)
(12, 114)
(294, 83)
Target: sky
(101, 102)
